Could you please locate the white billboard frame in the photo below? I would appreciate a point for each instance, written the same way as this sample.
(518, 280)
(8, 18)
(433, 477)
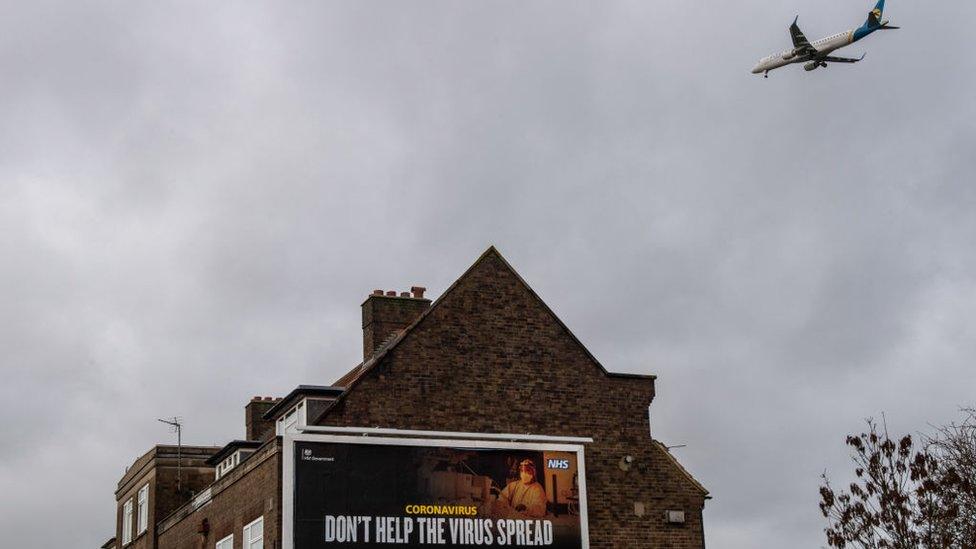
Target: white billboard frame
(438, 440)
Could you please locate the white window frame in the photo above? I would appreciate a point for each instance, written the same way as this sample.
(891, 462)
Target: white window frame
(295, 416)
(127, 522)
(226, 543)
(142, 506)
(227, 464)
(248, 542)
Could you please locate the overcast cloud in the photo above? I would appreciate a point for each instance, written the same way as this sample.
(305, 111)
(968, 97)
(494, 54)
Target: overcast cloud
(195, 198)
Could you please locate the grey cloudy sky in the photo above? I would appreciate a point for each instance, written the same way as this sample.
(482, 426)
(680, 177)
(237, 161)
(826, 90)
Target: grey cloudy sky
(195, 198)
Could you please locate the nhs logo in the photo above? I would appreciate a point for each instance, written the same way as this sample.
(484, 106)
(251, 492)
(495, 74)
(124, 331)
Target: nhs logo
(558, 464)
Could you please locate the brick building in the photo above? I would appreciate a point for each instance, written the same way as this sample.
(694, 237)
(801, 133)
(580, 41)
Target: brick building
(488, 356)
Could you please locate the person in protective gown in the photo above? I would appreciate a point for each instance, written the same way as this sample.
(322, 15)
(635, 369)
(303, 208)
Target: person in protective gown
(523, 498)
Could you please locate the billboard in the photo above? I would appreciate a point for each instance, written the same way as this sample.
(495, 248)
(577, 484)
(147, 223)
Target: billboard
(442, 493)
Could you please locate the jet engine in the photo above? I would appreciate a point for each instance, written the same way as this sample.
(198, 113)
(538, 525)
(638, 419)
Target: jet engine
(811, 66)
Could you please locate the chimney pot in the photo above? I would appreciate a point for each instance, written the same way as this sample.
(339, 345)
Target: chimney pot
(418, 292)
(377, 292)
(383, 318)
(255, 426)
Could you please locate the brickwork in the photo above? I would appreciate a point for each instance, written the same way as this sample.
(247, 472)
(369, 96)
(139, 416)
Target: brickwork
(384, 315)
(158, 470)
(255, 426)
(491, 357)
(249, 491)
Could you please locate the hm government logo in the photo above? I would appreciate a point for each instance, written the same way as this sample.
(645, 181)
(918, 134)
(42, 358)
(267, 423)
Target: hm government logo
(307, 456)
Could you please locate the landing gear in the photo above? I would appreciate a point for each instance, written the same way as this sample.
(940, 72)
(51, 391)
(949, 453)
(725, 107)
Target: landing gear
(766, 74)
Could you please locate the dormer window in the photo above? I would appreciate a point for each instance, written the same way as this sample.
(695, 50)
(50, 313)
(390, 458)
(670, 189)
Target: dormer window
(231, 461)
(225, 466)
(302, 406)
(287, 422)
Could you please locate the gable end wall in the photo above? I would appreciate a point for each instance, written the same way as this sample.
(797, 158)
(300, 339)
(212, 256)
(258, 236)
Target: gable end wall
(490, 357)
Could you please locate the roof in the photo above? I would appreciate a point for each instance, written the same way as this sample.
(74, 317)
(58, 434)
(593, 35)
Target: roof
(163, 451)
(351, 378)
(664, 449)
(299, 393)
(232, 447)
(108, 544)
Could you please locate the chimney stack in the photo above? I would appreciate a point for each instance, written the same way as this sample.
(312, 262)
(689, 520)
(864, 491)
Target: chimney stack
(255, 426)
(386, 313)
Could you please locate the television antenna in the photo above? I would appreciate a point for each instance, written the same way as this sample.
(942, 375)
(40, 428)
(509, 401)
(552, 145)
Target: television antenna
(176, 426)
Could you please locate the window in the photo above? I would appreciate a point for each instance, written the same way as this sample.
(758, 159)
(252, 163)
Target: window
(254, 534)
(286, 422)
(226, 543)
(127, 522)
(143, 506)
(234, 460)
(225, 466)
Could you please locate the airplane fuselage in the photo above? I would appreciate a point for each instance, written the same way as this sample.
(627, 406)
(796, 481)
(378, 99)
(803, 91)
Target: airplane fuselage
(818, 53)
(824, 47)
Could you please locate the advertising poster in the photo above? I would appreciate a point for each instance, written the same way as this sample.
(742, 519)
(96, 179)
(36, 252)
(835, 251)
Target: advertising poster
(378, 495)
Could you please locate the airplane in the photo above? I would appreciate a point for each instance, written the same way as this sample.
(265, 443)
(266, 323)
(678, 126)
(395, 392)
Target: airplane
(818, 54)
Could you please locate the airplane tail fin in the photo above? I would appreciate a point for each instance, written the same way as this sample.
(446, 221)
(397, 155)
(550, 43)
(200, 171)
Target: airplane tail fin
(874, 17)
(874, 22)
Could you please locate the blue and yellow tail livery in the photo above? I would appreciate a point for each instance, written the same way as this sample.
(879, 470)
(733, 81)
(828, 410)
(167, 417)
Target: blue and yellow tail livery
(873, 23)
(874, 18)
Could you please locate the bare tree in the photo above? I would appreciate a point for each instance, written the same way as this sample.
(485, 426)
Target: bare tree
(904, 496)
(955, 444)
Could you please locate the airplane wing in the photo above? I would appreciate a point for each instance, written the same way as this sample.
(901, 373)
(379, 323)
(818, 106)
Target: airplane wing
(831, 59)
(800, 43)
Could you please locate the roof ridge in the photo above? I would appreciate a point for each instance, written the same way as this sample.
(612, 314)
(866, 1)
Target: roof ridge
(399, 336)
(560, 322)
(395, 337)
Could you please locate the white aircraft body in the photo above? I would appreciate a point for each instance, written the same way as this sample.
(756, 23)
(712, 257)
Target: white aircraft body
(818, 54)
